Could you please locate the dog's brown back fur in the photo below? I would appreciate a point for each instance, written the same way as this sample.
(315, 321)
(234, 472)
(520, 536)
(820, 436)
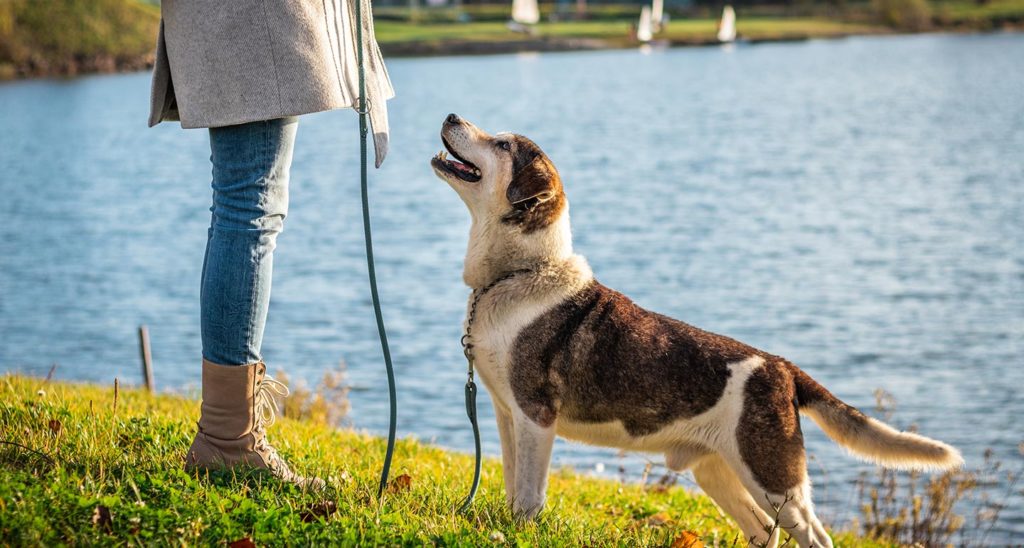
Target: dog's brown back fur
(599, 357)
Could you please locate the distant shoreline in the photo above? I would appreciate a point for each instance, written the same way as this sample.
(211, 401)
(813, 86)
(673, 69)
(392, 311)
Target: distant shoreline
(113, 64)
(557, 44)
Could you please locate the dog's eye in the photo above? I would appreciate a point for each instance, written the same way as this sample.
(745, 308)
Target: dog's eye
(504, 145)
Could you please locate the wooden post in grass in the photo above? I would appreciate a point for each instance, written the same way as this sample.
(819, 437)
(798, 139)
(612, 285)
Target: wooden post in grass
(147, 358)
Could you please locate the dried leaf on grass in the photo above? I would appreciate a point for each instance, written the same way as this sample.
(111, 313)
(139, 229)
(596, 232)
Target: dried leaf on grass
(317, 510)
(687, 539)
(400, 483)
(101, 517)
(659, 520)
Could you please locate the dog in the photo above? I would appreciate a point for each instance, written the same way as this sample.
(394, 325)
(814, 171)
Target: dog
(563, 355)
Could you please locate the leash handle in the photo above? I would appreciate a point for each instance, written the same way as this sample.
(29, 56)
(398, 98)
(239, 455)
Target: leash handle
(371, 271)
(471, 413)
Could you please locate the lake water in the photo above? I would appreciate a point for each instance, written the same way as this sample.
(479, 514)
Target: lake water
(856, 206)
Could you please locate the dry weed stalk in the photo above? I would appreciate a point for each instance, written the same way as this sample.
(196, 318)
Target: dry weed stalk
(911, 509)
(327, 403)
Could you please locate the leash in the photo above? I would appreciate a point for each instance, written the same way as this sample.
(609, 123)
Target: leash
(467, 350)
(367, 237)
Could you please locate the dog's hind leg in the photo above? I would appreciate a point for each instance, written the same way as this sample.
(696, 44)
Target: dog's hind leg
(506, 430)
(770, 458)
(720, 483)
(533, 456)
(795, 513)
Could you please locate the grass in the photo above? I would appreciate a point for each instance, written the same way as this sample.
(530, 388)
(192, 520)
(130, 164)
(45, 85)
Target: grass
(389, 32)
(392, 32)
(981, 15)
(69, 36)
(84, 464)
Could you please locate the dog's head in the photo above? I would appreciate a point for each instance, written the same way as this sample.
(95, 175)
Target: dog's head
(504, 176)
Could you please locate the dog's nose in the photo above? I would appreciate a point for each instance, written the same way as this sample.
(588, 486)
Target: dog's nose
(453, 119)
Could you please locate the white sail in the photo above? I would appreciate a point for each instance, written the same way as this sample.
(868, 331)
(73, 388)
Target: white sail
(658, 13)
(525, 12)
(727, 28)
(643, 30)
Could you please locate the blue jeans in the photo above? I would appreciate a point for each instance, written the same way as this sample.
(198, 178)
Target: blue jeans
(250, 200)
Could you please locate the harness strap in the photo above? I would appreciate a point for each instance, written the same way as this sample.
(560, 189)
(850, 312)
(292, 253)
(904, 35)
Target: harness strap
(362, 109)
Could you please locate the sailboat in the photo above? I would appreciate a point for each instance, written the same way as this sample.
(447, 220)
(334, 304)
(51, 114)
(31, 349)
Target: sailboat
(644, 31)
(727, 27)
(524, 14)
(658, 14)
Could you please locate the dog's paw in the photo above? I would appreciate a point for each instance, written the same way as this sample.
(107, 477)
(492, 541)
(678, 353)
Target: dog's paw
(527, 508)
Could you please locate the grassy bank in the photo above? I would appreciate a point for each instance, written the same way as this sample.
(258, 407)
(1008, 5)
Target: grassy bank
(404, 38)
(67, 37)
(85, 465)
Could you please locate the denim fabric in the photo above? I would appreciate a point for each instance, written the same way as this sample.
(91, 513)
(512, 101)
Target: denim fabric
(250, 200)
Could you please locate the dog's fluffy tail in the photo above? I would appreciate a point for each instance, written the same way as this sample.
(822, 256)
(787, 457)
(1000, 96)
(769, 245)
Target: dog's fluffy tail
(867, 437)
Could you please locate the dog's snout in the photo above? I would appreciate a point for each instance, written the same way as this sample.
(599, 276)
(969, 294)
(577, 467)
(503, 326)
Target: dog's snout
(453, 119)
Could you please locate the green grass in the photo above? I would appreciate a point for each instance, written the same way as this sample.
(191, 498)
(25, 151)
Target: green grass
(754, 28)
(765, 28)
(388, 32)
(73, 454)
(65, 36)
(990, 13)
(617, 33)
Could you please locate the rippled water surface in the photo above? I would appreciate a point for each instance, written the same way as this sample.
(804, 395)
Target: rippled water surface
(856, 206)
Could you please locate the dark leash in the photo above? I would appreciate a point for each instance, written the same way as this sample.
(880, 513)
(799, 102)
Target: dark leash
(467, 350)
(363, 109)
(467, 345)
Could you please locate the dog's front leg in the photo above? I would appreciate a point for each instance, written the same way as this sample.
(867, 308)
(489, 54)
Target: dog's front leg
(533, 455)
(506, 430)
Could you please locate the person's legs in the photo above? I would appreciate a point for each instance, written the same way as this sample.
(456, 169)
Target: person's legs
(250, 200)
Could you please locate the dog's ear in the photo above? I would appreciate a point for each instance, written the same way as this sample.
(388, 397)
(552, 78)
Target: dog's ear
(534, 181)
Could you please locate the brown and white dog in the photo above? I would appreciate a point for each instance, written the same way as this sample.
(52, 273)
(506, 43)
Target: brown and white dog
(562, 354)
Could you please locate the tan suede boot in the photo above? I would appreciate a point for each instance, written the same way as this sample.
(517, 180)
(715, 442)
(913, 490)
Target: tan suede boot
(238, 405)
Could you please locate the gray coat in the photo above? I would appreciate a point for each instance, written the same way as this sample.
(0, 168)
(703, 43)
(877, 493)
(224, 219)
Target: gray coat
(226, 62)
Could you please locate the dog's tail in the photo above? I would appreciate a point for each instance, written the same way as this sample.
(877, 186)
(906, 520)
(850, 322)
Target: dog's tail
(867, 437)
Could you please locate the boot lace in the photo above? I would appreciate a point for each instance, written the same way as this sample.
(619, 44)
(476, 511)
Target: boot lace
(266, 401)
(266, 407)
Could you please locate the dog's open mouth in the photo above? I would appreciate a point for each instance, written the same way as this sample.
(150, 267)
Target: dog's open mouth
(458, 167)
